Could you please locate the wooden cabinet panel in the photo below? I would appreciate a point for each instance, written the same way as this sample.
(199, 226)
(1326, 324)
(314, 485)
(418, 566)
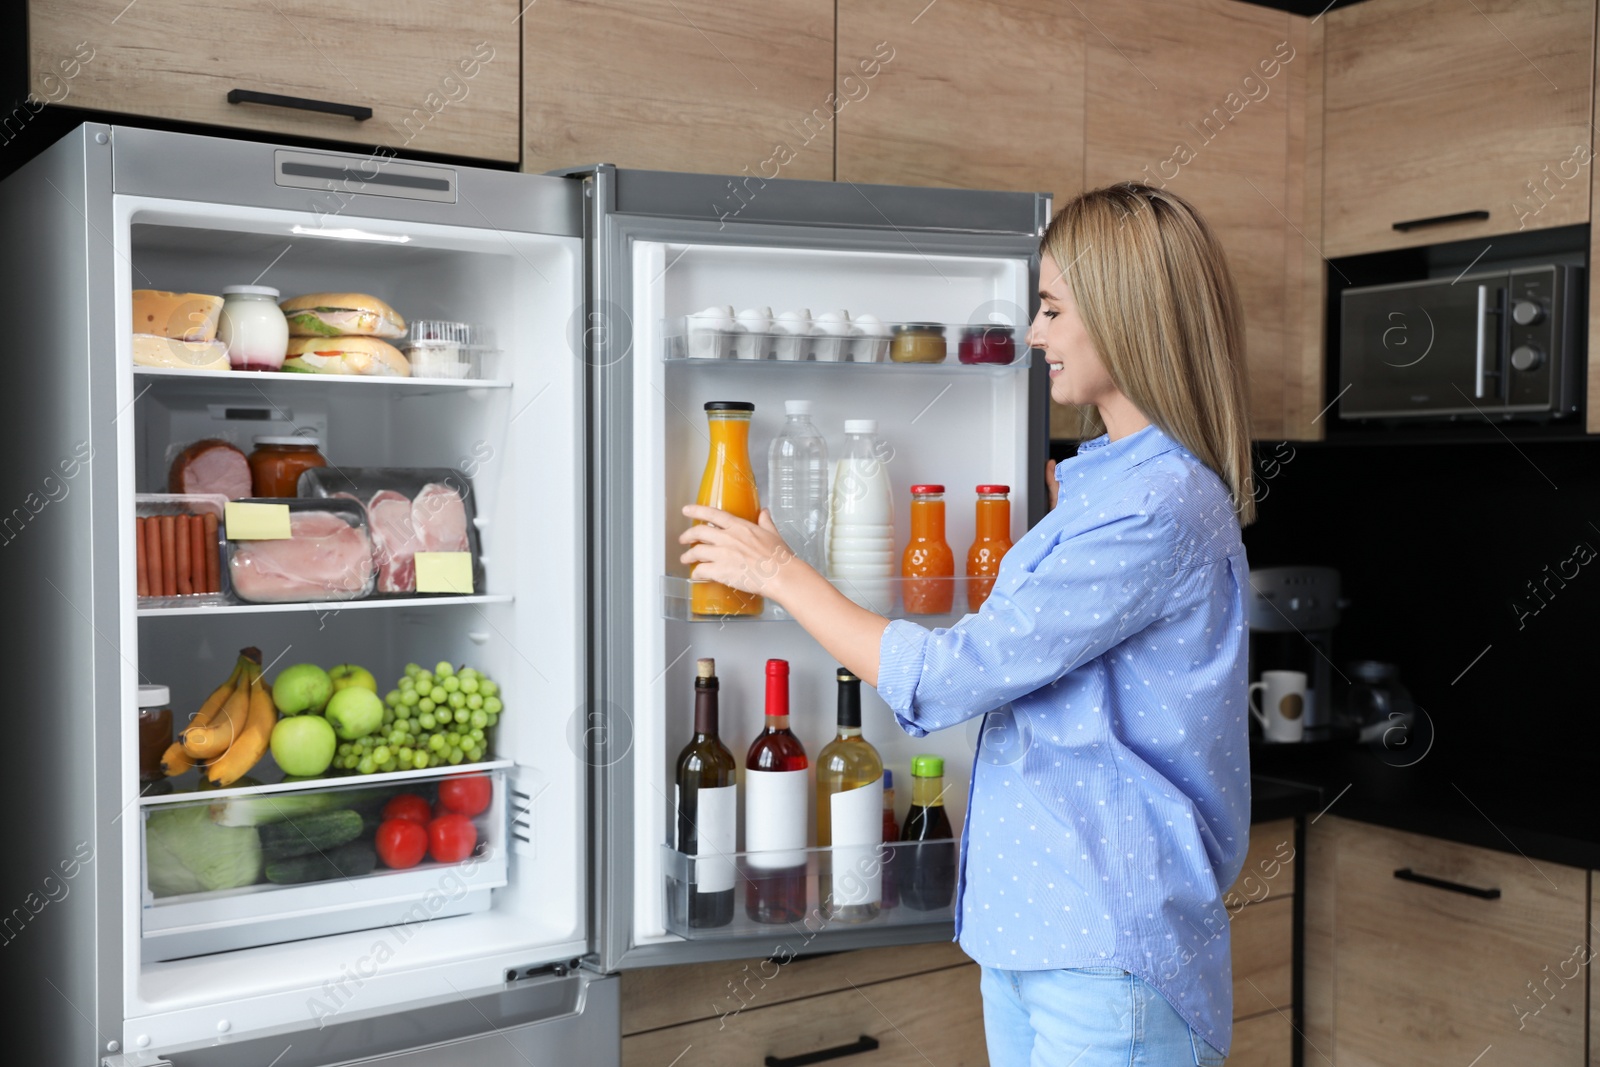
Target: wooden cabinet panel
(1434, 109)
(980, 94)
(653, 997)
(439, 76)
(1424, 975)
(1268, 871)
(928, 1018)
(1262, 1041)
(740, 88)
(1263, 957)
(1198, 97)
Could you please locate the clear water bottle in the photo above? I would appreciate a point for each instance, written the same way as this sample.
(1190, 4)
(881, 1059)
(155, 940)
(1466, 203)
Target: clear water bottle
(797, 473)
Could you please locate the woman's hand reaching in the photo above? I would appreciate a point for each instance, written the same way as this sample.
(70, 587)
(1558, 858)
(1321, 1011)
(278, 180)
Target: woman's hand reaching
(747, 556)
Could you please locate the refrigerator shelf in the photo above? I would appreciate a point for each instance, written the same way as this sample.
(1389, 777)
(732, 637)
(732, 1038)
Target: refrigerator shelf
(900, 872)
(687, 341)
(326, 606)
(432, 774)
(207, 380)
(886, 596)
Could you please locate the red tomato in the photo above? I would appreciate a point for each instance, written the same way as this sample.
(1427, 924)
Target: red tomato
(401, 843)
(408, 806)
(469, 795)
(451, 838)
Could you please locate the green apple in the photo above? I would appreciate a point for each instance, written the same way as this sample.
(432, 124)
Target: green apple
(348, 674)
(354, 711)
(303, 687)
(303, 745)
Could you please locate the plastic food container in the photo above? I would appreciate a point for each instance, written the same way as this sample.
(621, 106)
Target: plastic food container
(328, 556)
(276, 463)
(409, 510)
(440, 349)
(987, 344)
(917, 342)
(178, 549)
(253, 327)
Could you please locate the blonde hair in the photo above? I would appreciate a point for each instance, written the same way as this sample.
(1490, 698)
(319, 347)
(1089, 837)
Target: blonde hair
(1154, 293)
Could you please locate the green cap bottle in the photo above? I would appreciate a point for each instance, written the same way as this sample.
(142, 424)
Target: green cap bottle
(927, 766)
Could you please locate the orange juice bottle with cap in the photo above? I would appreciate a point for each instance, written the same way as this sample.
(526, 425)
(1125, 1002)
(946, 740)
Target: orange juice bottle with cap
(928, 565)
(991, 544)
(729, 483)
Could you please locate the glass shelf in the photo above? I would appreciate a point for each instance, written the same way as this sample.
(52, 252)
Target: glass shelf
(944, 600)
(328, 607)
(687, 340)
(211, 381)
(801, 895)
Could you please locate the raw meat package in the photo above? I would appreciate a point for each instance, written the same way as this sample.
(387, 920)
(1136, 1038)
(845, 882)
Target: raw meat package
(178, 549)
(210, 466)
(327, 556)
(409, 510)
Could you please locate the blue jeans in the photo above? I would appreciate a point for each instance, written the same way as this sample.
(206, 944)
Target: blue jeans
(1086, 1017)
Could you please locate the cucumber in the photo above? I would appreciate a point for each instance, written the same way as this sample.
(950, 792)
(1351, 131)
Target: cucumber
(350, 860)
(306, 835)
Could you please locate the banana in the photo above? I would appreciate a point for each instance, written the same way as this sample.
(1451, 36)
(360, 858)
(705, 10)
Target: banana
(218, 697)
(251, 743)
(212, 739)
(174, 761)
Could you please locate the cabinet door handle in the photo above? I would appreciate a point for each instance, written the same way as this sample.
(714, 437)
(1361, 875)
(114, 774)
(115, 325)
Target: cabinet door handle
(326, 107)
(861, 1044)
(1442, 220)
(1406, 874)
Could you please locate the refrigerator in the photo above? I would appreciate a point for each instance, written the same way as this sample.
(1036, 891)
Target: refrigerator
(577, 442)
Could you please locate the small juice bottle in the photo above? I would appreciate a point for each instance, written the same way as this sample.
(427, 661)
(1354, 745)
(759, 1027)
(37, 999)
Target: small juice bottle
(928, 565)
(729, 483)
(992, 542)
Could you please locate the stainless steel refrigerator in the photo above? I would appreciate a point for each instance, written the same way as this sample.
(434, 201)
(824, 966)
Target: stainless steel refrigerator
(580, 436)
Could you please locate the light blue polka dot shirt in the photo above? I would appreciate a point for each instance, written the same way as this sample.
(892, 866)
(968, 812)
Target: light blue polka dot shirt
(1110, 800)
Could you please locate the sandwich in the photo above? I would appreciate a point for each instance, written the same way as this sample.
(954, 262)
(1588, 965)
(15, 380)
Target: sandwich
(341, 315)
(346, 355)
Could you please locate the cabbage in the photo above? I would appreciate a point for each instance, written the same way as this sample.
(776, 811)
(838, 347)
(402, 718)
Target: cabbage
(186, 852)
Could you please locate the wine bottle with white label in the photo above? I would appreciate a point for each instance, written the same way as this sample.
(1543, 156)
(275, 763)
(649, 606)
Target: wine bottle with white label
(707, 810)
(850, 813)
(776, 777)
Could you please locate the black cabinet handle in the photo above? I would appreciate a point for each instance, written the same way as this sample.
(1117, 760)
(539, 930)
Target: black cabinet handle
(326, 107)
(1442, 220)
(861, 1044)
(1406, 874)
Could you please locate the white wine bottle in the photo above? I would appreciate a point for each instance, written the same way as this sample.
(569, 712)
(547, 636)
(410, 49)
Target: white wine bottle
(850, 813)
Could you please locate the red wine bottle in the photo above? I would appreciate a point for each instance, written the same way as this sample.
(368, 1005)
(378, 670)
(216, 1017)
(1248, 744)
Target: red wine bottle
(707, 812)
(775, 804)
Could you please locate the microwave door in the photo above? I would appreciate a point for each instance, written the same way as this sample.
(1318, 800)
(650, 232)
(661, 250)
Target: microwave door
(1429, 348)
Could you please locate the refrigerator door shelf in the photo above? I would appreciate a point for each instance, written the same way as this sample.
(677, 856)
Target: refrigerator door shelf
(824, 884)
(886, 596)
(685, 340)
(266, 912)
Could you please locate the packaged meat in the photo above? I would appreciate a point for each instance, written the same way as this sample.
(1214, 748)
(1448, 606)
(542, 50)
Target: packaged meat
(178, 549)
(409, 510)
(327, 556)
(210, 466)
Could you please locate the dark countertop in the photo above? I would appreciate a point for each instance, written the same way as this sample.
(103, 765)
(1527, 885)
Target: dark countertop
(1539, 805)
(1273, 798)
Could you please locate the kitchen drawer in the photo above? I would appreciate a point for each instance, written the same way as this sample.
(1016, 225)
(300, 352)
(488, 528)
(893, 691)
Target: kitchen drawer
(438, 76)
(1262, 1041)
(1263, 957)
(926, 1018)
(1268, 871)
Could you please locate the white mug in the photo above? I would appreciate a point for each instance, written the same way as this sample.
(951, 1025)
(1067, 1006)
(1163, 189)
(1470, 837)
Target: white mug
(1284, 697)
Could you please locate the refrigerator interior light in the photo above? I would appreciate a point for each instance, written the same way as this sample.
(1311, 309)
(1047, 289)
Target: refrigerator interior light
(349, 234)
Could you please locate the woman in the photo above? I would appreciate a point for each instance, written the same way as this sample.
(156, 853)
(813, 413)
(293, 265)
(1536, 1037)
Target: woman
(1100, 837)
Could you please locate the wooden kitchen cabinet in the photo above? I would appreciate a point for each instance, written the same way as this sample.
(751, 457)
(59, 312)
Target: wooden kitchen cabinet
(979, 94)
(1217, 100)
(1398, 971)
(438, 76)
(1434, 110)
(743, 88)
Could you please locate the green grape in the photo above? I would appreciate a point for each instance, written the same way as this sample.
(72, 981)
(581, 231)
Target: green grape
(367, 765)
(493, 717)
(438, 694)
(395, 738)
(380, 754)
(343, 749)
(405, 755)
(388, 716)
(426, 705)
(455, 755)
(403, 713)
(488, 689)
(452, 739)
(451, 683)
(392, 697)
(427, 721)
(424, 679)
(437, 743)
(405, 684)
(476, 753)
(409, 698)
(419, 760)
(413, 669)
(492, 705)
(469, 684)
(474, 701)
(462, 715)
(444, 668)
(457, 700)
(476, 733)
(479, 720)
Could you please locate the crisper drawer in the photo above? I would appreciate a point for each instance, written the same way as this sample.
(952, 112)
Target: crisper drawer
(234, 868)
(909, 1022)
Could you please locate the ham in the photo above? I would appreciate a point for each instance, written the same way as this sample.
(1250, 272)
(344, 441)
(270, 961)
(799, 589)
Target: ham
(440, 517)
(394, 540)
(324, 558)
(210, 466)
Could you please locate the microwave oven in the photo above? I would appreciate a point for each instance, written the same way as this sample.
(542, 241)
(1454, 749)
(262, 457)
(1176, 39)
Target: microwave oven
(1502, 344)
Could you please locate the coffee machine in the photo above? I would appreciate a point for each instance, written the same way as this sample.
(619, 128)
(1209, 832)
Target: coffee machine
(1292, 612)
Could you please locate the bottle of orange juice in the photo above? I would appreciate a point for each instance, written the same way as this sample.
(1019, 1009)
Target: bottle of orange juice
(729, 483)
(928, 565)
(992, 542)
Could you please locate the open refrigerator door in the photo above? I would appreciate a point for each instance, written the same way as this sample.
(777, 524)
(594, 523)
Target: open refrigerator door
(915, 305)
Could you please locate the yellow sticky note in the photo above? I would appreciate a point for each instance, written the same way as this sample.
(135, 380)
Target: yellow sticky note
(256, 522)
(444, 572)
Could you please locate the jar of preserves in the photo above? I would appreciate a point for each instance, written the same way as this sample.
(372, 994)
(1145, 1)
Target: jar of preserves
(155, 731)
(276, 463)
(253, 327)
(987, 344)
(917, 342)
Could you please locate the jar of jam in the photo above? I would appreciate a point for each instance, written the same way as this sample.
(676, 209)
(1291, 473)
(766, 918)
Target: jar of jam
(155, 731)
(917, 342)
(987, 344)
(276, 463)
